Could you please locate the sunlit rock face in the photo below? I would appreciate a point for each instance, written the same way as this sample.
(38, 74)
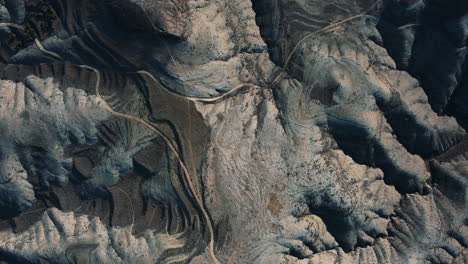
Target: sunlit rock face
(285, 131)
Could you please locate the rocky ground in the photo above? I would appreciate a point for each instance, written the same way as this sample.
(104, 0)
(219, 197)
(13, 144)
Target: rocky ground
(263, 131)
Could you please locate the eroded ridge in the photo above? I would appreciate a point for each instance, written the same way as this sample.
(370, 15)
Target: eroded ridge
(283, 131)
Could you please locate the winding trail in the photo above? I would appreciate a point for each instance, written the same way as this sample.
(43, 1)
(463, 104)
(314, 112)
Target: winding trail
(196, 99)
(275, 80)
(186, 174)
(48, 52)
(233, 90)
(173, 149)
(324, 29)
(188, 178)
(12, 25)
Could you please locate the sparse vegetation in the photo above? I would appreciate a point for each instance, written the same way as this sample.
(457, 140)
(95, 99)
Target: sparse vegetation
(40, 19)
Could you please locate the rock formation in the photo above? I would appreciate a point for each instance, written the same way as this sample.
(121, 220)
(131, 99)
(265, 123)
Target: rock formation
(263, 131)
